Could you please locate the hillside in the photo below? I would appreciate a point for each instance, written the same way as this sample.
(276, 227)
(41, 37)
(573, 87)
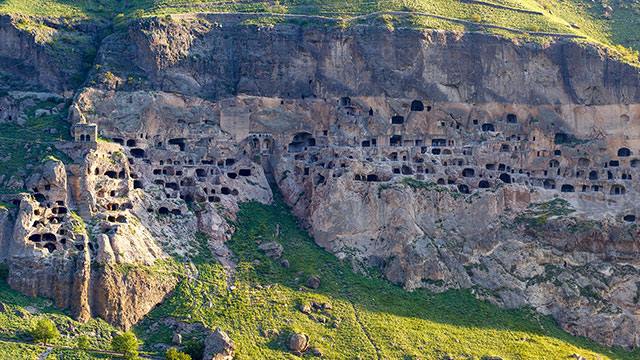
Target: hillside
(376, 179)
(615, 24)
(260, 306)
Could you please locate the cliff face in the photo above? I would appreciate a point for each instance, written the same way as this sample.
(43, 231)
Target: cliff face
(445, 160)
(47, 55)
(218, 57)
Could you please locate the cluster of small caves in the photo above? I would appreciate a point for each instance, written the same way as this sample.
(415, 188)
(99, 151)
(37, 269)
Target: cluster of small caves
(466, 156)
(177, 166)
(51, 229)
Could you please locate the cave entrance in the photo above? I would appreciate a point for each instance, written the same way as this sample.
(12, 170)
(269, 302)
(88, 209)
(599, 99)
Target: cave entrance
(301, 141)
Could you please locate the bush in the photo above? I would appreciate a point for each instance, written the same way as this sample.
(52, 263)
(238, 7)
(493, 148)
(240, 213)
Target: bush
(44, 331)
(174, 354)
(194, 348)
(84, 342)
(126, 343)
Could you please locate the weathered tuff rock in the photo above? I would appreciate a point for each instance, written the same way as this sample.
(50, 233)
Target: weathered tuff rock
(313, 282)
(218, 346)
(39, 60)
(272, 249)
(192, 56)
(446, 160)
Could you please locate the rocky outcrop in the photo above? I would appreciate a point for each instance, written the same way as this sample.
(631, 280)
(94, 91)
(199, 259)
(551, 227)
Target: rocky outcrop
(44, 54)
(217, 56)
(545, 256)
(445, 160)
(124, 297)
(218, 346)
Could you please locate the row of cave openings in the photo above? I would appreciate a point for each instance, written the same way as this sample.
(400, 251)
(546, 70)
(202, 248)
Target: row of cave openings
(138, 152)
(184, 186)
(416, 106)
(59, 212)
(470, 172)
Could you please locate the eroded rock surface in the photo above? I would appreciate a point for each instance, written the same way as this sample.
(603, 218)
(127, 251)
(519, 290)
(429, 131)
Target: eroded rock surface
(445, 160)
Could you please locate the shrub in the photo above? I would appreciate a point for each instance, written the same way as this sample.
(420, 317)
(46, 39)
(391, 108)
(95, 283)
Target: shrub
(126, 343)
(83, 342)
(44, 331)
(194, 348)
(174, 354)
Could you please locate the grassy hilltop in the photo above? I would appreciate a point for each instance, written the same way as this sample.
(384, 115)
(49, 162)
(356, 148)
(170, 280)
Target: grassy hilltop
(615, 24)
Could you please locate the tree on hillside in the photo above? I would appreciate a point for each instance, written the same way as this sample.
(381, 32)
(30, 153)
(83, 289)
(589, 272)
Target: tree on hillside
(84, 342)
(174, 354)
(126, 343)
(44, 331)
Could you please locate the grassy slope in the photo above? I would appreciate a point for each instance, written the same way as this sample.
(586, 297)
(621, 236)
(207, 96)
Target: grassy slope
(21, 145)
(367, 313)
(558, 15)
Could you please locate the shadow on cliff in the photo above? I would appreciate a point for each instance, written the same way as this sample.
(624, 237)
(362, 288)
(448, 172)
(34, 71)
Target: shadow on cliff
(259, 223)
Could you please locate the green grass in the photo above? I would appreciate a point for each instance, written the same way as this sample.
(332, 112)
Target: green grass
(537, 215)
(368, 314)
(59, 8)
(579, 17)
(13, 351)
(25, 146)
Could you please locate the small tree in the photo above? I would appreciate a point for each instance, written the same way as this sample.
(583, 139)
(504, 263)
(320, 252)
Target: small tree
(126, 343)
(174, 354)
(83, 342)
(44, 331)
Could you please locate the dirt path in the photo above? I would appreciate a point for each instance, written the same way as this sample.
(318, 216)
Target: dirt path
(364, 330)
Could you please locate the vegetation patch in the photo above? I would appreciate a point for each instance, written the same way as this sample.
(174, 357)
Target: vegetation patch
(24, 146)
(538, 214)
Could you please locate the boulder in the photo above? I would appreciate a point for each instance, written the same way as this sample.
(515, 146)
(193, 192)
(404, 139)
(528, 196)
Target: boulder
(298, 343)
(313, 282)
(272, 249)
(316, 352)
(305, 308)
(177, 339)
(218, 346)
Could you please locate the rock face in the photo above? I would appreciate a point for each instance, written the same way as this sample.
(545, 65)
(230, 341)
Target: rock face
(194, 55)
(218, 346)
(445, 160)
(298, 343)
(38, 60)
